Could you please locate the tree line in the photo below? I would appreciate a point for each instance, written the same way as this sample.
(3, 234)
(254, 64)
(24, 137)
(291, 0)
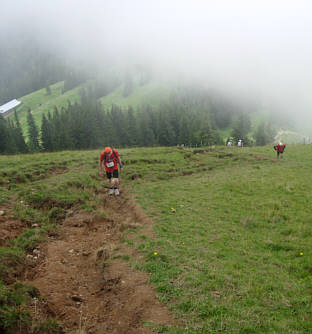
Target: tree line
(187, 118)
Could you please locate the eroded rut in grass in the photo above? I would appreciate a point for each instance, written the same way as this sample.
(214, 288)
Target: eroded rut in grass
(83, 289)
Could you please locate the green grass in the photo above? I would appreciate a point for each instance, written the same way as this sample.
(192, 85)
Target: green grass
(233, 228)
(153, 93)
(229, 242)
(40, 103)
(13, 310)
(41, 188)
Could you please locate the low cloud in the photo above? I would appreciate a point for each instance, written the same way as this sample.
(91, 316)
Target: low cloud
(253, 48)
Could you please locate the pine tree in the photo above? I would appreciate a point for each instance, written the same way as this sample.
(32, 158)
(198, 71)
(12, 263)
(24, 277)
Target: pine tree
(56, 130)
(241, 128)
(146, 134)
(263, 135)
(206, 136)
(184, 131)
(11, 145)
(33, 133)
(46, 135)
(19, 138)
(108, 131)
(260, 135)
(118, 125)
(3, 135)
(166, 135)
(132, 129)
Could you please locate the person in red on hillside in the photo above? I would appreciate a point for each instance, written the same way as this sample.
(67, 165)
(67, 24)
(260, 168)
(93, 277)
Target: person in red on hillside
(279, 148)
(110, 158)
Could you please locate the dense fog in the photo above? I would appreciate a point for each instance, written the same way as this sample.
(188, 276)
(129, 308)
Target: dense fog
(254, 49)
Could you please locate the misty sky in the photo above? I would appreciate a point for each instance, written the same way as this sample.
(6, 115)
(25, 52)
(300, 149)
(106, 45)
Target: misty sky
(254, 47)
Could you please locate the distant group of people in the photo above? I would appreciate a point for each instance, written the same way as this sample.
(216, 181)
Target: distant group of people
(239, 143)
(279, 148)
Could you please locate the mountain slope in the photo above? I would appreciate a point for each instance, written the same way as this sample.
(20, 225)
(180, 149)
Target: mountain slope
(39, 102)
(152, 93)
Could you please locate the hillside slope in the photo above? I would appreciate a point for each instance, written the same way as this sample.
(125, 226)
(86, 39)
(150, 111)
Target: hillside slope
(39, 102)
(222, 240)
(153, 93)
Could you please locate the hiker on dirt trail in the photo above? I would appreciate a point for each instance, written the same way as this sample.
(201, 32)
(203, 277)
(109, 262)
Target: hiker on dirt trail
(279, 148)
(111, 159)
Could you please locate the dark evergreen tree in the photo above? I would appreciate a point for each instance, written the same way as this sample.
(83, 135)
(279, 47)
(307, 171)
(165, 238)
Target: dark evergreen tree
(46, 135)
(107, 130)
(184, 130)
(118, 126)
(263, 135)
(260, 135)
(19, 138)
(56, 130)
(166, 135)
(33, 133)
(11, 139)
(241, 128)
(3, 135)
(132, 128)
(146, 134)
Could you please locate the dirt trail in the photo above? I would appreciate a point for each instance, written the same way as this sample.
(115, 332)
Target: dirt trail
(86, 292)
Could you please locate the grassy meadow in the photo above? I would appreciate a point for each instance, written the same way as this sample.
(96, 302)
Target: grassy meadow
(153, 94)
(232, 244)
(39, 102)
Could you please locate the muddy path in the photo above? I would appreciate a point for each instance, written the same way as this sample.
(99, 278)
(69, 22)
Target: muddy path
(86, 288)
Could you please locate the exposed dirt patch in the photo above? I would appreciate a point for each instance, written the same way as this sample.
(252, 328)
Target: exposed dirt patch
(199, 151)
(10, 227)
(186, 173)
(85, 287)
(261, 157)
(136, 176)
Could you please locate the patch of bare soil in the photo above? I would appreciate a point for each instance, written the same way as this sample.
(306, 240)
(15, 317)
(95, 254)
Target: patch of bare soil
(261, 157)
(87, 290)
(10, 227)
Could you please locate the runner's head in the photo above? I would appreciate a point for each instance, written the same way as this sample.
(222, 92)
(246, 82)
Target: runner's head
(108, 150)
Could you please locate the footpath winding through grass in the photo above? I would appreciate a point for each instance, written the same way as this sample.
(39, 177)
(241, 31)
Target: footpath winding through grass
(233, 231)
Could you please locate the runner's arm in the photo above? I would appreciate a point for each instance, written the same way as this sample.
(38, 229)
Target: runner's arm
(101, 167)
(120, 164)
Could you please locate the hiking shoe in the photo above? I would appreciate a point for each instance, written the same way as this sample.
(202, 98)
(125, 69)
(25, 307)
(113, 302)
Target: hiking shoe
(111, 191)
(116, 192)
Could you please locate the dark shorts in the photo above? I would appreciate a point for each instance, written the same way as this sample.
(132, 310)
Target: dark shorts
(115, 174)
